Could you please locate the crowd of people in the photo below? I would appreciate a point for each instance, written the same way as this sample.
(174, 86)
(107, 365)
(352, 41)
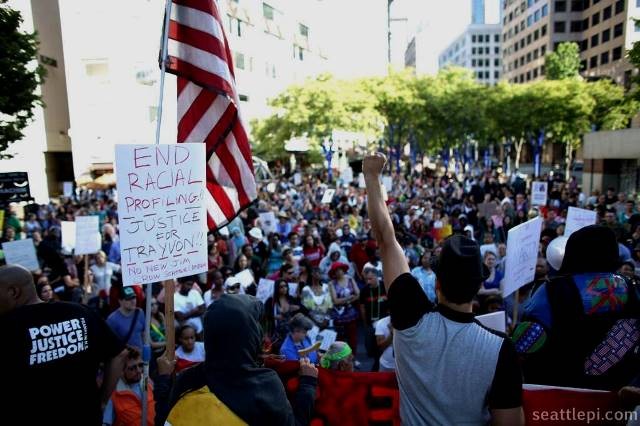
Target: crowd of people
(332, 265)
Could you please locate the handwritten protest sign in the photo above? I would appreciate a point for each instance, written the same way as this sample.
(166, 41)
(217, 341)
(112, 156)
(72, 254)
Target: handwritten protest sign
(268, 222)
(328, 196)
(68, 235)
(161, 209)
(264, 290)
(387, 182)
(245, 278)
(87, 235)
(293, 289)
(579, 218)
(522, 253)
(21, 252)
(494, 320)
(539, 193)
(67, 189)
(297, 179)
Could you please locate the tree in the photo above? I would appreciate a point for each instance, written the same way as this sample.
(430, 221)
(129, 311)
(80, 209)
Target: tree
(564, 62)
(634, 58)
(19, 79)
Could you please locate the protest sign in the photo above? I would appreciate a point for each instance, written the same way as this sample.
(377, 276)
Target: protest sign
(88, 238)
(522, 254)
(161, 209)
(245, 278)
(268, 222)
(293, 289)
(347, 175)
(579, 218)
(297, 179)
(328, 196)
(361, 182)
(387, 182)
(264, 290)
(328, 338)
(539, 193)
(68, 235)
(494, 320)
(488, 247)
(67, 189)
(21, 252)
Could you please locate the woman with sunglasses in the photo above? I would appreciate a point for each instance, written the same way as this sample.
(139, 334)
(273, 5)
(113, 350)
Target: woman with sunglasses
(279, 309)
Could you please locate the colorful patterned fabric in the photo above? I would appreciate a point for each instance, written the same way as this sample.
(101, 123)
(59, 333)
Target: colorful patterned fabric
(601, 292)
(621, 338)
(529, 337)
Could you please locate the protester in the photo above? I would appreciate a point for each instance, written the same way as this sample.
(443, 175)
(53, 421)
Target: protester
(373, 306)
(103, 272)
(216, 280)
(127, 322)
(189, 352)
(425, 276)
(316, 298)
(229, 386)
(297, 339)
(188, 304)
(125, 406)
(56, 349)
(339, 357)
(447, 340)
(384, 340)
(344, 293)
(280, 309)
(45, 293)
(157, 330)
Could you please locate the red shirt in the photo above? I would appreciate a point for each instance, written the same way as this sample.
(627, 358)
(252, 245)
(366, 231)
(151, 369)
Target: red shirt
(313, 255)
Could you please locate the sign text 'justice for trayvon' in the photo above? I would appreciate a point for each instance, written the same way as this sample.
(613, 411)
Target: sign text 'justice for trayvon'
(161, 209)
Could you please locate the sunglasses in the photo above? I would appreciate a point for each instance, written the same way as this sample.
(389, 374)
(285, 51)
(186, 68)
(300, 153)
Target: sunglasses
(135, 366)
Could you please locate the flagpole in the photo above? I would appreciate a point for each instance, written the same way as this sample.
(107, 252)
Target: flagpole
(146, 354)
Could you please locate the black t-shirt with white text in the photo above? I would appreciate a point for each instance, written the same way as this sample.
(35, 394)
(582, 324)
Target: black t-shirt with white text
(50, 363)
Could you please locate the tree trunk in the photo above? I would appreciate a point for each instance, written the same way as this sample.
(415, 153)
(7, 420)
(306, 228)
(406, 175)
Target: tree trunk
(519, 145)
(568, 157)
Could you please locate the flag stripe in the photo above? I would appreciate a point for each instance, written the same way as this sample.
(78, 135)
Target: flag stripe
(199, 54)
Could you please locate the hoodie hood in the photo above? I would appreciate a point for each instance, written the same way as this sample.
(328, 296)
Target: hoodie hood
(590, 249)
(232, 333)
(334, 247)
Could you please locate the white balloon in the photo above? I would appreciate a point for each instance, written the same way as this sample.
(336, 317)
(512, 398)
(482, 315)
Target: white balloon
(555, 252)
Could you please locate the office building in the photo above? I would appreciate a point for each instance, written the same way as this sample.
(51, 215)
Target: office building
(602, 28)
(478, 49)
(477, 12)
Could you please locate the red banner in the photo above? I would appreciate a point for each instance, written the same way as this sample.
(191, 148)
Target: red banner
(355, 399)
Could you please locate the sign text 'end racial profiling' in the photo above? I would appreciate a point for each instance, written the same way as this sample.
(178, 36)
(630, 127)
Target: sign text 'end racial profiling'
(161, 209)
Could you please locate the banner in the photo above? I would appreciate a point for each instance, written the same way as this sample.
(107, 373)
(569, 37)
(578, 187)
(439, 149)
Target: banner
(579, 218)
(522, 254)
(161, 209)
(88, 239)
(539, 193)
(21, 252)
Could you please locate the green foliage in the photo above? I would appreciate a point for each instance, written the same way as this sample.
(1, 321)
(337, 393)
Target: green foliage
(19, 79)
(634, 57)
(564, 62)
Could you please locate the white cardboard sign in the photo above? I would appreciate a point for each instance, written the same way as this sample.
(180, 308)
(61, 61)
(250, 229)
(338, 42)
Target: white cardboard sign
(494, 320)
(347, 175)
(67, 189)
(387, 182)
(21, 252)
(88, 239)
(293, 289)
(264, 290)
(328, 196)
(161, 209)
(522, 253)
(539, 193)
(68, 235)
(579, 218)
(268, 223)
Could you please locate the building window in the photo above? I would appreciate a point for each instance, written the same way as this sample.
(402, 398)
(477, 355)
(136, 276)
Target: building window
(473, 38)
(559, 27)
(522, 44)
(545, 10)
(576, 5)
(606, 13)
(543, 30)
(593, 62)
(595, 19)
(496, 62)
(496, 75)
(561, 6)
(496, 38)
(619, 6)
(479, 75)
(595, 40)
(542, 70)
(528, 57)
(528, 75)
(473, 50)
(300, 53)
(496, 50)
(243, 98)
(522, 25)
(304, 31)
(604, 58)
(267, 11)
(606, 35)
(543, 50)
(637, 26)
(238, 59)
(576, 26)
(583, 65)
(486, 50)
(529, 39)
(536, 16)
(529, 20)
(535, 72)
(618, 30)
(584, 44)
(616, 54)
(473, 62)
(585, 24)
(535, 54)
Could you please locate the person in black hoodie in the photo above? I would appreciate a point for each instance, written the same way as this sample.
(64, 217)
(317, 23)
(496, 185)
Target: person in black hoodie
(590, 316)
(230, 372)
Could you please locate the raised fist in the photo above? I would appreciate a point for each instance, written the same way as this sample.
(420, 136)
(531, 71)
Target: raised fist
(373, 164)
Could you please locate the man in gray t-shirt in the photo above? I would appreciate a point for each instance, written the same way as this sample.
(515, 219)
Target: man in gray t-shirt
(450, 369)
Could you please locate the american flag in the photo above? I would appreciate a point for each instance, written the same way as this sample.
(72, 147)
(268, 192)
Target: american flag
(208, 112)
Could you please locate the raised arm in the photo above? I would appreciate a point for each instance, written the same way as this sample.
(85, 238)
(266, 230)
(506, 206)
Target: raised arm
(393, 261)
